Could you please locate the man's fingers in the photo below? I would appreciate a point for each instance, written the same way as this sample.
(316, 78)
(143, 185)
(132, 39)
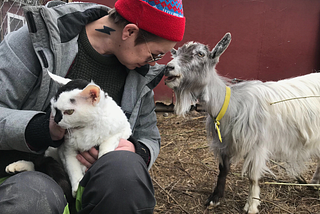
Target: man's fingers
(94, 153)
(87, 158)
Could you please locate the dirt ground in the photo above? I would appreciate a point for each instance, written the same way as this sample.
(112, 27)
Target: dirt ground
(186, 171)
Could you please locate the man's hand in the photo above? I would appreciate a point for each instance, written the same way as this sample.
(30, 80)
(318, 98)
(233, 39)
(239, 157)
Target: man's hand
(87, 158)
(125, 145)
(56, 131)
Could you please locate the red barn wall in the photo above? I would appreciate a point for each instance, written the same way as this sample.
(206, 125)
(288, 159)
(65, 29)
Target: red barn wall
(271, 39)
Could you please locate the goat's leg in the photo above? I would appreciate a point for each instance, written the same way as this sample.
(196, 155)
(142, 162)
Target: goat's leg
(218, 192)
(316, 175)
(255, 168)
(253, 201)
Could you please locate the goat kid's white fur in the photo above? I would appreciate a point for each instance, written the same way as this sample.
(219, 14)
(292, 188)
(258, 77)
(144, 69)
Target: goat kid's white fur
(252, 128)
(97, 122)
(104, 125)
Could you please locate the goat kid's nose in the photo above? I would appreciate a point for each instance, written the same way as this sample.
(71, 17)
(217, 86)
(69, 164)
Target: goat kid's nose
(168, 69)
(58, 116)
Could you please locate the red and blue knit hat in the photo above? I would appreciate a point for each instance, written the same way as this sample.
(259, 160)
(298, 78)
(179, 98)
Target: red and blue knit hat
(163, 18)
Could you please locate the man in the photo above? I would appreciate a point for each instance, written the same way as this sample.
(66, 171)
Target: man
(115, 48)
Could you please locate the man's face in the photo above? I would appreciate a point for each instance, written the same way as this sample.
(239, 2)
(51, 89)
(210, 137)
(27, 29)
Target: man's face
(134, 56)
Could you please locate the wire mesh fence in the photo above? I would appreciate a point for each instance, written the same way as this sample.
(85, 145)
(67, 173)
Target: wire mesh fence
(12, 16)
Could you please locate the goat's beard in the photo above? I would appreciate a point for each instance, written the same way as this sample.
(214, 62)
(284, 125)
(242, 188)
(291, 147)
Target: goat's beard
(184, 101)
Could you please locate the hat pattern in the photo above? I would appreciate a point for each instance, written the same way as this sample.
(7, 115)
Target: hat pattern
(172, 7)
(163, 18)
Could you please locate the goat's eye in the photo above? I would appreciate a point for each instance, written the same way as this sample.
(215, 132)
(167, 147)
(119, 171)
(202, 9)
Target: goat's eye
(200, 54)
(68, 112)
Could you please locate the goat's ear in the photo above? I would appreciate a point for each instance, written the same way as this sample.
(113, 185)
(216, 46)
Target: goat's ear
(221, 46)
(59, 79)
(173, 52)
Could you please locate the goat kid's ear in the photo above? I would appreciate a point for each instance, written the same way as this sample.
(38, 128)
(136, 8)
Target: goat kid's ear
(221, 46)
(91, 93)
(58, 79)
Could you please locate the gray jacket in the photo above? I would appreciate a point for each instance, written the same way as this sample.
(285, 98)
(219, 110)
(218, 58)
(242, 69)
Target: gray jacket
(50, 43)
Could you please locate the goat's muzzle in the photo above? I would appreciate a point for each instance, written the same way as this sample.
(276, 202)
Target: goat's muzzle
(169, 76)
(168, 69)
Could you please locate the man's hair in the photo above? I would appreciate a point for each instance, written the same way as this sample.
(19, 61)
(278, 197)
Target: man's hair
(143, 36)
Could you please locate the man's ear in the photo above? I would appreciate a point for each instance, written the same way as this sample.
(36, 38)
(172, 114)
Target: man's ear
(129, 30)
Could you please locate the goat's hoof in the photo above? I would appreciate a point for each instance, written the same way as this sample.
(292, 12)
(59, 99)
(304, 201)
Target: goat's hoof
(250, 209)
(212, 201)
(212, 204)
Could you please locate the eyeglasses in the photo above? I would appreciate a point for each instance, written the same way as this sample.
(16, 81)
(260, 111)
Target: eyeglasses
(154, 57)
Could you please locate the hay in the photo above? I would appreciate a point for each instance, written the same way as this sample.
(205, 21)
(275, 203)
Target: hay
(186, 171)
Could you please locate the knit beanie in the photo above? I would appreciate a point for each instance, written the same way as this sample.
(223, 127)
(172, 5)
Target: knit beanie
(163, 18)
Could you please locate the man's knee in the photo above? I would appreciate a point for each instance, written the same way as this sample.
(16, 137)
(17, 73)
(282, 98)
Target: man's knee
(119, 178)
(31, 192)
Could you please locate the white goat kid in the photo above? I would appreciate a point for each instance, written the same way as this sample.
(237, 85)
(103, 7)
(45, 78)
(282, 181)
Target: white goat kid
(253, 126)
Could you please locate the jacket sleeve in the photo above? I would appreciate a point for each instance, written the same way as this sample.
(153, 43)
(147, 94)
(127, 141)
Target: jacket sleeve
(19, 72)
(146, 130)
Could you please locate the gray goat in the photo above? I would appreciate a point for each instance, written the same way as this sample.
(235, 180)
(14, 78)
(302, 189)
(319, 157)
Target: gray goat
(255, 126)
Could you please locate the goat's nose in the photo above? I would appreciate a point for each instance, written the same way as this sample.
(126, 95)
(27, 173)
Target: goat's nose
(168, 69)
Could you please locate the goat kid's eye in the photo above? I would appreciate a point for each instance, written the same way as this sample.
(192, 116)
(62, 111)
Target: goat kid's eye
(68, 112)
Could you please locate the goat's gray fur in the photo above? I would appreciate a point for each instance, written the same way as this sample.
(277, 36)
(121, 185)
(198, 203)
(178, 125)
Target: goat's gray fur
(252, 129)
